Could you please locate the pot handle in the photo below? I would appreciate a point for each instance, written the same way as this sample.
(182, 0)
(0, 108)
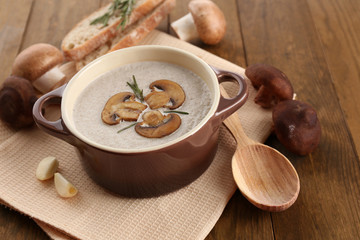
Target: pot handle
(54, 128)
(228, 106)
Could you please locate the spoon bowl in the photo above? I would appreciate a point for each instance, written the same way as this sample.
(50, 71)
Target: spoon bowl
(263, 175)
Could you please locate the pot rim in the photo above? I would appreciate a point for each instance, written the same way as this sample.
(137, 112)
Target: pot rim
(136, 49)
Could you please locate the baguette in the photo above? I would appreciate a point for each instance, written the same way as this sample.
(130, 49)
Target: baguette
(132, 35)
(85, 38)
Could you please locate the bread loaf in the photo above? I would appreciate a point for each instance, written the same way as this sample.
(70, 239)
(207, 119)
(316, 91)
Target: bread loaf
(131, 35)
(85, 38)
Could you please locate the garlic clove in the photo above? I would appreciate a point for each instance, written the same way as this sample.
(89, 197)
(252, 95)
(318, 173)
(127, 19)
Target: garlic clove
(46, 168)
(63, 186)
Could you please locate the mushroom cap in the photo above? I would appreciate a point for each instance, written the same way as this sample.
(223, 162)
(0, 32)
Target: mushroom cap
(156, 125)
(209, 20)
(273, 84)
(171, 92)
(17, 97)
(36, 60)
(296, 126)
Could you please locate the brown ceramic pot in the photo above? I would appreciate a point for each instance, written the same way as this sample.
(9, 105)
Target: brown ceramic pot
(151, 171)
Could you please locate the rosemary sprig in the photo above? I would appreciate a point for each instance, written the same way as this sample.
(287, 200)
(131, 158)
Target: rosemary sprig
(121, 8)
(134, 86)
(179, 112)
(127, 127)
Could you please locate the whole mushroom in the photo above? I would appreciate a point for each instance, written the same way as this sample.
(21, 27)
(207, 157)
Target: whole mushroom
(205, 21)
(297, 127)
(272, 84)
(39, 64)
(17, 97)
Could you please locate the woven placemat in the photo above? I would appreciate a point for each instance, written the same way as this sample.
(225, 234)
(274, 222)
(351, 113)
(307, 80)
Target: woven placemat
(189, 213)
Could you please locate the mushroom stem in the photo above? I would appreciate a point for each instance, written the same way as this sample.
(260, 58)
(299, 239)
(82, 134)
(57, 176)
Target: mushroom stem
(185, 28)
(294, 96)
(48, 80)
(69, 69)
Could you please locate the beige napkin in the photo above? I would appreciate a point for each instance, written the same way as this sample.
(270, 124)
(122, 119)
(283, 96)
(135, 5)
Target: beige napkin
(189, 213)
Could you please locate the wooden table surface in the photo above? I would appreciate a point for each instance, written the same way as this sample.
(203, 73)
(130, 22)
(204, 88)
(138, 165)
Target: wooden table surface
(315, 42)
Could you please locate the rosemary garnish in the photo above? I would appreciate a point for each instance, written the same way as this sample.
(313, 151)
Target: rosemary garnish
(138, 93)
(127, 127)
(121, 8)
(179, 112)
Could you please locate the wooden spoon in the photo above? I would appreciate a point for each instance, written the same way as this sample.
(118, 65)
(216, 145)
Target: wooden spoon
(263, 175)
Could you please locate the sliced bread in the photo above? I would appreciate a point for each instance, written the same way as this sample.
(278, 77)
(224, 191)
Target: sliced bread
(133, 34)
(84, 38)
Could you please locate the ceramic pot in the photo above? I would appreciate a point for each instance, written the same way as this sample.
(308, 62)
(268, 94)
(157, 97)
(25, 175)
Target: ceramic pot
(154, 170)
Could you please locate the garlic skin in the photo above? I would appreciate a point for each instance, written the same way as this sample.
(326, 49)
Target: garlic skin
(47, 168)
(64, 187)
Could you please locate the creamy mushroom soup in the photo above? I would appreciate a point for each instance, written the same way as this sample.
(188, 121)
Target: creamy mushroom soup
(91, 102)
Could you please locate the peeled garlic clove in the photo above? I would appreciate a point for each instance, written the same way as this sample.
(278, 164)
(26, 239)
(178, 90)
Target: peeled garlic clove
(63, 186)
(46, 168)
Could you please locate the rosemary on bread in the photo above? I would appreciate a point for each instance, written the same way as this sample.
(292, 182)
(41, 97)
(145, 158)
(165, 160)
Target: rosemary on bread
(121, 8)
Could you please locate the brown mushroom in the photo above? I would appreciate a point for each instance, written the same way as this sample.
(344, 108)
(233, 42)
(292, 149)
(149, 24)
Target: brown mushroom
(156, 125)
(121, 106)
(205, 21)
(39, 64)
(157, 99)
(17, 97)
(272, 84)
(153, 118)
(296, 126)
(171, 95)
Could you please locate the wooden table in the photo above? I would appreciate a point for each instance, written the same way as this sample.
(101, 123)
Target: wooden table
(315, 42)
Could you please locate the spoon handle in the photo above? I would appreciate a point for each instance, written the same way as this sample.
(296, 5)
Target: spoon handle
(233, 123)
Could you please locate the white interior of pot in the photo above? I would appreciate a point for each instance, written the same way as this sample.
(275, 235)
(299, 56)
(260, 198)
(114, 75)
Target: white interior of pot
(130, 55)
